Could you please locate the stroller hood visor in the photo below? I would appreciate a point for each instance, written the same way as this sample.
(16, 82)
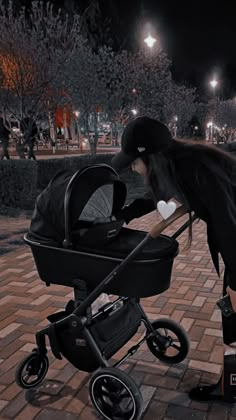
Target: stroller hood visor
(93, 192)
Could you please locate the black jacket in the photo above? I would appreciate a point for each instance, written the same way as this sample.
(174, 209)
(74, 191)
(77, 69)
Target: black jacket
(4, 131)
(212, 201)
(29, 129)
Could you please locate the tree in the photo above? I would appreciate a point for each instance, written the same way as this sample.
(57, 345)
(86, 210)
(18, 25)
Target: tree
(202, 115)
(151, 79)
(180, 104)
(226, 113)
(36, 47)
(225, 118)
(87, 89)
(116, 69)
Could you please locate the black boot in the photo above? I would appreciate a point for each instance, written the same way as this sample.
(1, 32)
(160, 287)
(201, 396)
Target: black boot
(224, 390)
(207, 392)
(229, 381)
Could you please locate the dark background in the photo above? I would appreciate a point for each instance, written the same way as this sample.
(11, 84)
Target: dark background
(199, 37)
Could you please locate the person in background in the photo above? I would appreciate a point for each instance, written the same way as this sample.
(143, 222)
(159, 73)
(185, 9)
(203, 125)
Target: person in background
(200, 177)
(4, 137)
(30, 133)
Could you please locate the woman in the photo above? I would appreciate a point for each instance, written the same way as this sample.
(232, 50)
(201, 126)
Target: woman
(203, 179)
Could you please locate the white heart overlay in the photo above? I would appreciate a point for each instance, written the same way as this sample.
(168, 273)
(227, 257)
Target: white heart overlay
(166, 209)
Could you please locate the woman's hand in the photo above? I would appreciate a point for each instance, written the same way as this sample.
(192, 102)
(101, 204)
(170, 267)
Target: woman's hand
(232, 295)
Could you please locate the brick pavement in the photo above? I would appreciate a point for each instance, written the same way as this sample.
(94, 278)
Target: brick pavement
(25, 303)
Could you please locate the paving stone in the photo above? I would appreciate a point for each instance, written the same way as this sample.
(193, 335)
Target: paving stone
(147, 394)
(15, 406)
(48, 414)
(180, 413)
(173, 397)
(156, 410)
(220, 411)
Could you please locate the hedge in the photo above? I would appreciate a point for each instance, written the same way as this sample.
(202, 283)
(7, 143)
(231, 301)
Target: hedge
(18, 183)
(47, 168)
(22, 180)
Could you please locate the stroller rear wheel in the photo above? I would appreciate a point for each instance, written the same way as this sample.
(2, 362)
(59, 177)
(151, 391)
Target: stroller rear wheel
(171, 344)
(32, 370)
(115, 395)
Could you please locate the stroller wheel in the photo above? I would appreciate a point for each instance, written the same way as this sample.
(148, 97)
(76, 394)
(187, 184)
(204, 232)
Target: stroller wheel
(32, 370)
(171, 344)
(115, 395)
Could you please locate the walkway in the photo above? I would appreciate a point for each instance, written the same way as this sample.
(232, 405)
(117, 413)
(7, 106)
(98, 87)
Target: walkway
(25, 302)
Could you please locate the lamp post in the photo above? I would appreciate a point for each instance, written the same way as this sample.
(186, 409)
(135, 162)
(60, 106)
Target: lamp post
(213, 84)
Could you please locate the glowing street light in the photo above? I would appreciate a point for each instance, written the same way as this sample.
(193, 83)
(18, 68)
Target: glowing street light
(134, 111)
(150, 41)
(213, 83)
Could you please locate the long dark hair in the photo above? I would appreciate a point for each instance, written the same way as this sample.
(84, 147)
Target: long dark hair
(162, 175)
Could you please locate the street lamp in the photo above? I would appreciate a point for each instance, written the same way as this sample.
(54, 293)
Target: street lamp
(150, 41)
(134, 111)
(213, 84)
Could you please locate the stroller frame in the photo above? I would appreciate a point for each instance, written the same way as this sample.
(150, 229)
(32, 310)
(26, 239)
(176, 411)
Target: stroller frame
(79, 320)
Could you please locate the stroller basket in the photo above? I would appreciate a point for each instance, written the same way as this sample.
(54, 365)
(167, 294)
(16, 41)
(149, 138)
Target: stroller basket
(110, 332)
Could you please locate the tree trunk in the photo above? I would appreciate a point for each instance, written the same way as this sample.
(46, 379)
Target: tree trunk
(52, 131)
(66, 136)
(73, 130)
(93, 148)
(95, 116)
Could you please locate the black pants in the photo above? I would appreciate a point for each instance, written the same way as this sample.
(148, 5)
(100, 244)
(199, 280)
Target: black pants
(5, 152)
(31, 154)
(228, 324)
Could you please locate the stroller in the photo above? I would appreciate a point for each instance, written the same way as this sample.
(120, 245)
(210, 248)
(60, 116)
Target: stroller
(76, 242)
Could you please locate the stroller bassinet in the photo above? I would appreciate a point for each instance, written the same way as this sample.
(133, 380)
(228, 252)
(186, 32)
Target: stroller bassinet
(67, 245)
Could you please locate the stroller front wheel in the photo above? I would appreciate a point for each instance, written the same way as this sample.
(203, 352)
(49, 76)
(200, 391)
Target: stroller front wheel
(32, 370)
(114, 394)
(171, 343)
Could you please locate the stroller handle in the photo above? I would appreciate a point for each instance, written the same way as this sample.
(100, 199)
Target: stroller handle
(158, 228)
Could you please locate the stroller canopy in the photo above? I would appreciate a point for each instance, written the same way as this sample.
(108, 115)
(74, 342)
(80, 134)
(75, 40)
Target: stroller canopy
(93, 192)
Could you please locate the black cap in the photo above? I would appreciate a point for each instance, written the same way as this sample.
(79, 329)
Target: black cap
(141, 137)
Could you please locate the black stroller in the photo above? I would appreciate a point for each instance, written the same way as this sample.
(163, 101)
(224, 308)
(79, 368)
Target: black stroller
(76, 242)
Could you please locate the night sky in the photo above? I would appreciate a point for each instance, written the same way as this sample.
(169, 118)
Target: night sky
(199, 37)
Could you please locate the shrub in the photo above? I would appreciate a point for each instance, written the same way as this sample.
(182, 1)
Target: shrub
(47, 168)
(18, 183)
(22, 180)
